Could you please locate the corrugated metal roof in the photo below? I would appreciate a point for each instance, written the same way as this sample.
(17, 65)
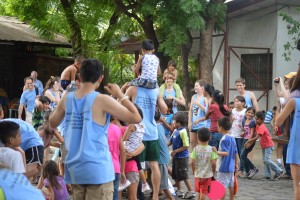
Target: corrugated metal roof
(13, 30)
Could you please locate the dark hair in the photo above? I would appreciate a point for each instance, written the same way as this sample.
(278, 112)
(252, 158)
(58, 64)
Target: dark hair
(231, 103)
(274, 108)
(173, 63)
(157, 115)
(251, 108)
(181, 118)
(79, 59)
(218, 97)
(169, 103)
(225, 123)
(201, 82)
(298, 44)
(50, 83)
(203, 134)
(209, 89)
(50, 171)
(139, 110)
(260, 115)
(91, 70)
(8, 130)
(241, 99)
(44, 99)
(147, 45)
(240, 80)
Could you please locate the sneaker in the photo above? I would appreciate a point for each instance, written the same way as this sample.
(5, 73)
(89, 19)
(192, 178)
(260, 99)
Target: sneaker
(146, 188)
(252, 172)
(189, 195)
(244, 175)
(124, 186)
(277, 176)
(179, 193)
(266, 179)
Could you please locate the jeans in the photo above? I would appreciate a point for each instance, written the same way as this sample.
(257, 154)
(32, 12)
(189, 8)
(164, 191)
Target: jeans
(286, 165)
(116, 186)
(239, 144)
(215, 138)
(268, 163)
(245, 163)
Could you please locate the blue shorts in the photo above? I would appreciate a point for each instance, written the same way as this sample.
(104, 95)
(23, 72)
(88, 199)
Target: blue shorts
(64, 84)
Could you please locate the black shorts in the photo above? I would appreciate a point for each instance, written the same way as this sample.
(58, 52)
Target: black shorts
(35, 155)
(180, 168)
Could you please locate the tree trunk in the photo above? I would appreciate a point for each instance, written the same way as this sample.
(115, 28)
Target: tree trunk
(185, 51)
(75, 28)
(205, 59)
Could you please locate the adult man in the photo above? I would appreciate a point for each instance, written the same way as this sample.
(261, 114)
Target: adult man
(88, 164)
(27, 100)
(147, 99)
(37, 83)
(33, 146)
(250, 99)
(69, 73)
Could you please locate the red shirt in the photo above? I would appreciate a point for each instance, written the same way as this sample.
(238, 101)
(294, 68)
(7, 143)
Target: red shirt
(265, 138)
(215, 114)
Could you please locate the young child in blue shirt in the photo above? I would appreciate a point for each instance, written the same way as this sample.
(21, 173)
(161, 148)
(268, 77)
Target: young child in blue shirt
(228, 156)
(167, 119)
(180, 155)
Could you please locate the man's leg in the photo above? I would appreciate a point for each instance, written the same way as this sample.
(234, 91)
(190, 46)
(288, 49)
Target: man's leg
(95, 192)
(78, 192)
(155, 178)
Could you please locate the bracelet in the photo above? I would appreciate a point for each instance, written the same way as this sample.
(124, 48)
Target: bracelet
(123, 98)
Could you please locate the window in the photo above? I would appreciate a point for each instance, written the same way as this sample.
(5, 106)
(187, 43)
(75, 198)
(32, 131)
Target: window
(258, 63)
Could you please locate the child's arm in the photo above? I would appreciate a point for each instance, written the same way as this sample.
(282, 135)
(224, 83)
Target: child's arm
(175, 74)
(122, 161)
(131, 128)
(214, 166)
(58, 136)
(179, 150)
(158, 70)
(202, 118)
(162, 120)
(138, 64)
(165, 74)
(250, 141)
(219, 153)
(135, 152)
(51, 192)
(193, 165)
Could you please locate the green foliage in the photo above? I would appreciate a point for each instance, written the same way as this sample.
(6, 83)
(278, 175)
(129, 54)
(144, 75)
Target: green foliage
(294, 31)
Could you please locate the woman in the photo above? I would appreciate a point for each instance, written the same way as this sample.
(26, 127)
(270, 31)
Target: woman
(53, 91)
(170, 93)
(197, 110)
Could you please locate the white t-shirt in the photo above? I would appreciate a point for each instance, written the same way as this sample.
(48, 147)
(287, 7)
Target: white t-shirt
(237, 119)
(12, 159)
(150, 64)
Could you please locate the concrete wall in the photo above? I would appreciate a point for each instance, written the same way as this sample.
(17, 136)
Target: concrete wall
(264, 29)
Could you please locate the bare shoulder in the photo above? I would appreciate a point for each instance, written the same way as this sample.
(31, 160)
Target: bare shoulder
(131, 92)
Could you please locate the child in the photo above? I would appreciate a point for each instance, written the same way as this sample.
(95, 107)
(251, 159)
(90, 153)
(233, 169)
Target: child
(230, 106)
(11, 138)
(150, 67)
(180, 155)
(164, 158)
(41, 106)
(248, 133)
(166, 119)
(198, 108)
(1, 112)
(228, 157)
(293, 158)
(237, 116)
(267, 147)
(133, 137)
(53, 182)
(279, 148)
(203, 163)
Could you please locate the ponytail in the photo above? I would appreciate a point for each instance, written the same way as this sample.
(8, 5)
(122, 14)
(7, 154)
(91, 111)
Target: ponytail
(218, 97)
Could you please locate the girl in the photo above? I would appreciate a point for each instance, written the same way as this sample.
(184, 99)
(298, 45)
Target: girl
(237, 116)
(248, 133)
(216, 110)
(53, 91)
(293, 158)
(53, 182)
(197, 110)
(208, 90)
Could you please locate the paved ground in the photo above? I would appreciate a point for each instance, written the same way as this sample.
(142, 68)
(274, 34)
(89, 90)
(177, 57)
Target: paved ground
(255, 189)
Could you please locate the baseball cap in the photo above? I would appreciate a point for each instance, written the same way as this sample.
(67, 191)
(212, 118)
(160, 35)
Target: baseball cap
(290, 75)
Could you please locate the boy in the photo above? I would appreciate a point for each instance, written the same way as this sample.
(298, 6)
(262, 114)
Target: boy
(266, 144)
(166, 120)
(164, 158)
(180, 155)
(231, 106)
(11, 138)
(203, 163)
(228, 157)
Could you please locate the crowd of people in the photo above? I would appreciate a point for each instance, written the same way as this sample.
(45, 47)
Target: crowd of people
(127, 139)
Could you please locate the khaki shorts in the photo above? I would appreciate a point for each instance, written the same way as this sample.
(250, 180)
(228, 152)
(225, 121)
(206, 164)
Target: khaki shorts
(133, 177)
(93, 192)
(29, 117)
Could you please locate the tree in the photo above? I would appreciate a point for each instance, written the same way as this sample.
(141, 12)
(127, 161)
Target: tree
(294, 31)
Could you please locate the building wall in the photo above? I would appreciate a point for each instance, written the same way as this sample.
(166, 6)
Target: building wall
(264, 29)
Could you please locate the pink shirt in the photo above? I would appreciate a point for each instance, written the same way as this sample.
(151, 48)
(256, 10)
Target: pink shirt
(265, 138)
(114, 135)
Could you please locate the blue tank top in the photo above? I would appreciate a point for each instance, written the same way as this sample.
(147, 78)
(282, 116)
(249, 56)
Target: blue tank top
(52, 104)
(197, 113)
(89, 160)
(248, 101)
(292, 156)
(172, 94)
(146, 100)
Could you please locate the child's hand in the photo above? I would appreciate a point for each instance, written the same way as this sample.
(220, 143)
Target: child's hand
(214, 149)
(196, 122)
(247, 145)
(173, 154)
(122, 178)
(114, 90)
